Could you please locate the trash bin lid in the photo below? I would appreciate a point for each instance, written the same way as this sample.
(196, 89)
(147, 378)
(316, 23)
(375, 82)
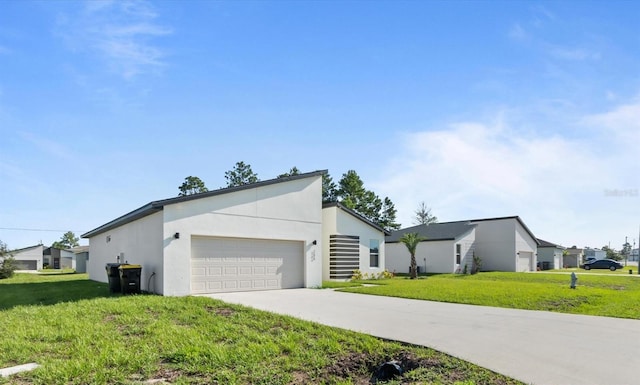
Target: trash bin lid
(130, 267)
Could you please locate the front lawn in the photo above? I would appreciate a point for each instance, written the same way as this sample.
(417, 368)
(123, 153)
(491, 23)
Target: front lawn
(600, 295)
(80, 334)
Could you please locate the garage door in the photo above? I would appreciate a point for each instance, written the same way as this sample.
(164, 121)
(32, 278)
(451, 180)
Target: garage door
(234, 264)
(524, 260)
(26, 264)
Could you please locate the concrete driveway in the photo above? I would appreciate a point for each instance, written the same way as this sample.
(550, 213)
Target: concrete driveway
(532, 346)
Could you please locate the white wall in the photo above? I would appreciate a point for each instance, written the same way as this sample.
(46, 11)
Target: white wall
(140, 242)
(496, 244)
(439, 257)
(284, 211)
(30, 254)
(336, 221)
(526, 244)
(468, 246)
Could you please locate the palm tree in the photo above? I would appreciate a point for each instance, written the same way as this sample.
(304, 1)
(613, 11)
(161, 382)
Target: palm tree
(411, 240)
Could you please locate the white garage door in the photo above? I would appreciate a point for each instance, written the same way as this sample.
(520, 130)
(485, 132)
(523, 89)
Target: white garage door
(234, 264)
(524, 260)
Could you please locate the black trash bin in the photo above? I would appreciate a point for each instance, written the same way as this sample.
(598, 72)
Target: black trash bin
(114, 276)
(545, 265)
(130, 278)
(417, 269)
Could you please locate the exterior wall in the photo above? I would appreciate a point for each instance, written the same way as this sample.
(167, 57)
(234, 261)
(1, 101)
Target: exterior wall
(432, 256)
(337, 221)
(525, 244)
(435, 256)
(138, 242)
(496, 244)
(81, 262)
(31, 254)
(283, 211)
(553, 255)
(468, 246)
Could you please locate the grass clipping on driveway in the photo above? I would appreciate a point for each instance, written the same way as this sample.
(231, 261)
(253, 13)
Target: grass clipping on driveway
(191, 340)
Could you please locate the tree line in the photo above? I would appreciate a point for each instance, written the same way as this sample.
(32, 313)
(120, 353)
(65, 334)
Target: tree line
(350, 191)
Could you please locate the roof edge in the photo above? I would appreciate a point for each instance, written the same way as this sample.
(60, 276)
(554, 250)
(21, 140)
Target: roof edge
(356, 215)
(155, 206)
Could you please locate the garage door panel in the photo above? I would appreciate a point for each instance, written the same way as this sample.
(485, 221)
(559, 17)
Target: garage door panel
(245, 264)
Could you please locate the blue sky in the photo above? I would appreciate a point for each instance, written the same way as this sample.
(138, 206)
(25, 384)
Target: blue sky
(480, 109)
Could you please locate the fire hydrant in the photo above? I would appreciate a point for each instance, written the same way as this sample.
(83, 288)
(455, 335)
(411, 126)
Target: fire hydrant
(574, 279)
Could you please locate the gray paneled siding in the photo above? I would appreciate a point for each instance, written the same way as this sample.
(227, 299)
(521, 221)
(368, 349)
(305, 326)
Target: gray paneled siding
(344, 256)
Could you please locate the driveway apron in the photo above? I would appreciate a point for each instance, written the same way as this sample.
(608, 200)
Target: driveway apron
(534, 347)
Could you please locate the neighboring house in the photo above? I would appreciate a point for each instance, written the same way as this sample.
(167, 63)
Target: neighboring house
(634, 256)
(55, 258)
(594, 253)
(502, 244)
(265, 235)
(29, 258)
(350, 242)
(573, 258)
(446, 248)
(549, 254)
(80, 258)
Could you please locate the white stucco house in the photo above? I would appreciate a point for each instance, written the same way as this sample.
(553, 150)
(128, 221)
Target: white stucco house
(29, 258)
(503, 244)
(265, 235)
(550, 253)
(446, 248)
(39, 256)
(350, 242)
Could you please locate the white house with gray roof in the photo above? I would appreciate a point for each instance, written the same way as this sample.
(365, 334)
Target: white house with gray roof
(446, 248)
(273, 234)
(503, 244)
(549, 254)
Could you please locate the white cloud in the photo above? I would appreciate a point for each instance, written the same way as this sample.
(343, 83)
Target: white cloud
(517, 32)
(556, 183)
(120, 32)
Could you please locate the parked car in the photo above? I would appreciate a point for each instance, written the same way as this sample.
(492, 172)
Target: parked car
(602, 264)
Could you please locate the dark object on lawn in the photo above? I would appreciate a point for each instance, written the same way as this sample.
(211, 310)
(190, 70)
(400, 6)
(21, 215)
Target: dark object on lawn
(574, 279)
(114, 276)
(130, 278)
(388, 371)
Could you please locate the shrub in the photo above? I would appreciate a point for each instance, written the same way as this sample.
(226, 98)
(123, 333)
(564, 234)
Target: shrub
(7, 267)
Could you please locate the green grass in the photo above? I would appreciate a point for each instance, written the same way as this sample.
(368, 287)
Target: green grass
(56, 271)
(600, 295)
(339, 285)
(80, 334)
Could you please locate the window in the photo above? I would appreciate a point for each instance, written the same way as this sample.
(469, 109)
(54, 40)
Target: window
(374, 253)
(458, 253)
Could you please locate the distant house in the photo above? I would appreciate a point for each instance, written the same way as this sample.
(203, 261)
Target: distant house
(549, 255)
(503, 244)
(635, 254)
(39, 257)
(447, 248)
(29, 258)
(594, 253)
(55, 258)
(573, 257)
